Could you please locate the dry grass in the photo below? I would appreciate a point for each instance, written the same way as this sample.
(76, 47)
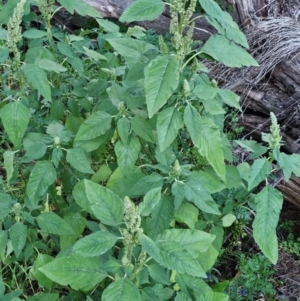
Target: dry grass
(271, 41)
(288, 276)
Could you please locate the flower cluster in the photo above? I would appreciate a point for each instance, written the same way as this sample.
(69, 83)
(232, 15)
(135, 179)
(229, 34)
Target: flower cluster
(181, 27)
(274, 137)
(14, 35)
(46, 8)
(133, 229)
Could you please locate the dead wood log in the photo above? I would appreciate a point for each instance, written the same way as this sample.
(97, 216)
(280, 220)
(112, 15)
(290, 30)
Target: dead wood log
(114, 8)
(291, 190)
(244, 12)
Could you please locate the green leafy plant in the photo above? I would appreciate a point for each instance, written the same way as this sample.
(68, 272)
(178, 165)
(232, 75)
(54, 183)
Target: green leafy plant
(103, 196)
(292, 245)
(255, 275)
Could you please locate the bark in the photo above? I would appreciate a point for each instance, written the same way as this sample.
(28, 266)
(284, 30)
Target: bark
(114, 8)
(243, 11)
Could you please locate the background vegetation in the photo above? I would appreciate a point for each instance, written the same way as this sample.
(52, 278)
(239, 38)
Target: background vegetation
(119, 174)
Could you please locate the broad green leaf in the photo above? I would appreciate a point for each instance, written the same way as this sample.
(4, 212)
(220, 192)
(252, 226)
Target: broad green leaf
(124, 127)
(169, 122)
(17, 235)
(174, 257)
(6, 205)
(208, 259)
(37, 78)
(151, 199)
(2, 287)
(227, 52)
(38, 52)
(45, 297)
(178, 191)
(142, 128)
(187, 283)
(120, 184)
(187, 213)
(194, 192)
(250, 145)
(51, 223)
(8, 157)
(166, 158)
(223, 22)
(233, 179)
(121, 290)
(94, 54)
(132, 50)
(108, 26)
(227, 149)
(78, 223)
(102, 174)
(81, 273)
(285, 162)
(34, 152)
(230, 98)
(146, 183)
(213, 297)
(143, 10)
(77, 65)
(41, 177)
(206, 92)
(259, 171)
(95, 244)
(182, 297)
(244, 169)
(102, 202)
(207, 180)
(159, 274)
(221, 286)
(157, 292)
(160, 218)
(228, 219)
(12, 296)
(34, 33)
(56, 129)
(127, 154)
(41, 260)
(268, 206)
(7, 10)
(150, 247)
(65, 49)
(94, 127)
(4, 54)
(49, 65)
(56, 156)
(73, 123)
(80, 196)
(15, 118)
(3, 243)
(118, 95)
(82, 8)
(194, 241)
(206, 137)
(161, 80)
(193, 122)
(77, 158)
(213, 106)
(295, 158)
(211, 146)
